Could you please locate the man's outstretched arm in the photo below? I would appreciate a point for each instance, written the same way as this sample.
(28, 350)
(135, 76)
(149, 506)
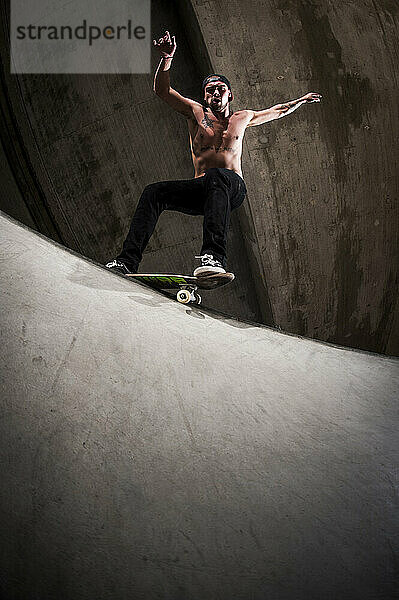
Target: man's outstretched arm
(281, 110)
(167, 48)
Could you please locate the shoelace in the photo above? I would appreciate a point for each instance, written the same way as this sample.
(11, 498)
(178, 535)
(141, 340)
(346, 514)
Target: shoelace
(208, 260)
(114, 263)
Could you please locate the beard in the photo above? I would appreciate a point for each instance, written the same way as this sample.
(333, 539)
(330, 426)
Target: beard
(218, 105)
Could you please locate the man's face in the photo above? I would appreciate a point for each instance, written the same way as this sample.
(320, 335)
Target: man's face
(217, 95)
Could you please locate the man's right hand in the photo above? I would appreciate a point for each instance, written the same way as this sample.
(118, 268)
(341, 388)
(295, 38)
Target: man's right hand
(185, 106)
(166, 45)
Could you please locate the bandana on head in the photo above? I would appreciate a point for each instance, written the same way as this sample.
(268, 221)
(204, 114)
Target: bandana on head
(216, 77)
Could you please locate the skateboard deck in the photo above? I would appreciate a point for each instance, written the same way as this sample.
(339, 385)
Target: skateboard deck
(187, 285)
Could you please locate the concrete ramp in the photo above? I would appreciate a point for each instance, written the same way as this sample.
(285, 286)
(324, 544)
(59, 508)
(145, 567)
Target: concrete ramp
(151, 450)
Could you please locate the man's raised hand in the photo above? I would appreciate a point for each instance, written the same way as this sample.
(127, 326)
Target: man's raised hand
(166, 45)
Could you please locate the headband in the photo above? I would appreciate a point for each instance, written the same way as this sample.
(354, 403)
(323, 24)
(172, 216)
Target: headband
(216, 77)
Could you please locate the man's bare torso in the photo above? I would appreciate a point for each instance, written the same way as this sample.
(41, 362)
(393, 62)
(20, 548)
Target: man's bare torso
(217, 142)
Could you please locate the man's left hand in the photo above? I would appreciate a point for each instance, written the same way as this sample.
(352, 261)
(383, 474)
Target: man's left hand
(312, 97)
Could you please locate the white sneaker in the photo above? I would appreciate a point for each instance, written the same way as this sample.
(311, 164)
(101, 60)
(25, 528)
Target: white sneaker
(118, 266)
(209, 265)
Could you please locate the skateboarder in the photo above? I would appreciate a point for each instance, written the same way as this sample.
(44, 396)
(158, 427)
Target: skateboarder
(216, 137)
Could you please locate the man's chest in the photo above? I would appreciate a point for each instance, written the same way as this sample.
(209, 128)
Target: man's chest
(210, 131)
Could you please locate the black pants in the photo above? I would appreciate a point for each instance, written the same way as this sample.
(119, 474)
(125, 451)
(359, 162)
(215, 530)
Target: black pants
(214, 195)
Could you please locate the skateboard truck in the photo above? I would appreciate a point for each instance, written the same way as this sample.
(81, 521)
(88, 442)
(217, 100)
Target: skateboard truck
(188, 293)
(187, 285)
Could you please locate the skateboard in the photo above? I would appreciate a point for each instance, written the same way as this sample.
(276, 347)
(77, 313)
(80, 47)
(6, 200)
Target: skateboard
(187, 285)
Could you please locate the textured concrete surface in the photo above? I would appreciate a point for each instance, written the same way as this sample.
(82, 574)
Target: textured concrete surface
(317, 238)
(322, 213)
(154, 450)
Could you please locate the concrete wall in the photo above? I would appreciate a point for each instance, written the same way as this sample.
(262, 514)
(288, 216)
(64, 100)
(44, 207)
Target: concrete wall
(323, 182)
(315, 246)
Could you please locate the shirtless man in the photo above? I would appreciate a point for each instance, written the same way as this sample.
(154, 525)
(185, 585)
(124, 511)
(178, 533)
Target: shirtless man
(216, 137)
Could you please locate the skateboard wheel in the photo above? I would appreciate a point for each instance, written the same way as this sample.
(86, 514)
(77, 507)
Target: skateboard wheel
(198, 299)
(183, 296)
